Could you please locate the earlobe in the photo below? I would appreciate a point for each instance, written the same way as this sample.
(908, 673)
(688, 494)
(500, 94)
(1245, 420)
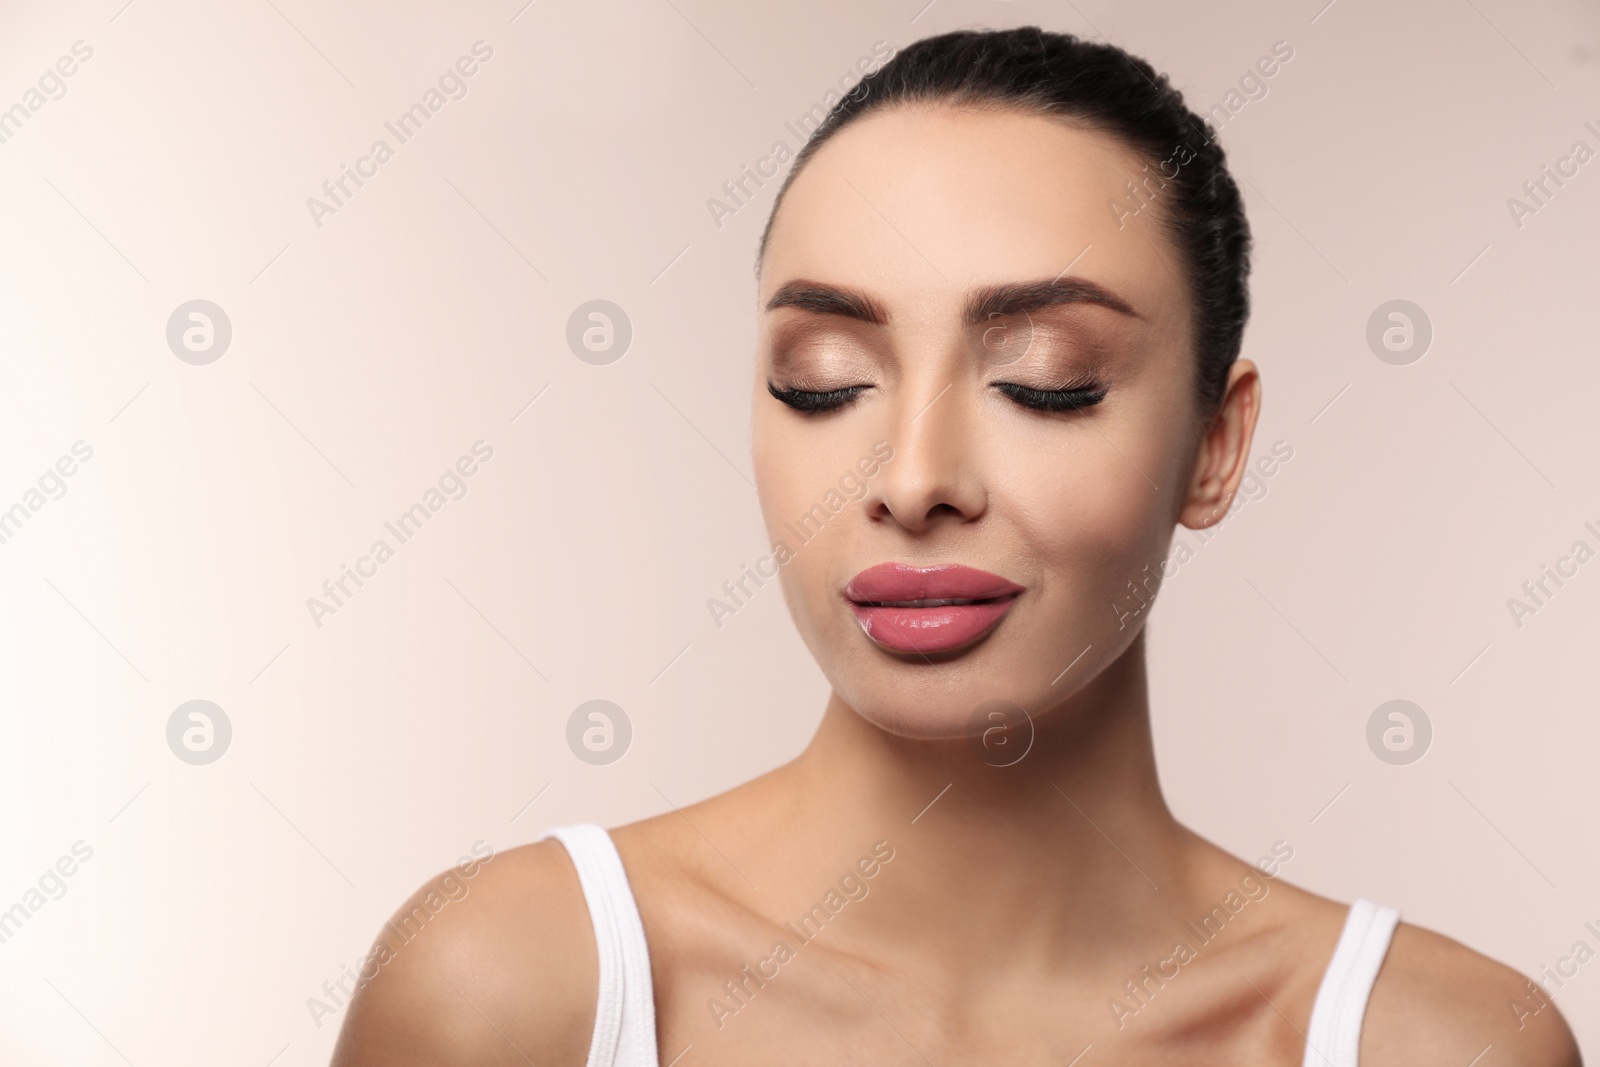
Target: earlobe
(1223, 450)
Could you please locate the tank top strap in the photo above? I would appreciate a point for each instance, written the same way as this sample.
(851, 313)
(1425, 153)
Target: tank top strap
(625, 1015)
(1334, 1034)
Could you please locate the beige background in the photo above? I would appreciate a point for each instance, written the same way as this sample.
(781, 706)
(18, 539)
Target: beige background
(372, 351)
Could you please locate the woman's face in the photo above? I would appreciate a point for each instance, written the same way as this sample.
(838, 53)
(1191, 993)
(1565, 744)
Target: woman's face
(991, 353)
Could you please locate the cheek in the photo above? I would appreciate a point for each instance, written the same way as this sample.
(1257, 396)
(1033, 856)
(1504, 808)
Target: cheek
(1088, 531)
(788, 469)
(798, 470)
(1094, 515)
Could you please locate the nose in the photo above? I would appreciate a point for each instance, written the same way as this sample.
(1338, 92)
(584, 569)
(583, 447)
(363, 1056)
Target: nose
(933, 478)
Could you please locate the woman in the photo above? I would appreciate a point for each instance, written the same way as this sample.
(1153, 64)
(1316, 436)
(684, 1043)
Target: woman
(1002, 293)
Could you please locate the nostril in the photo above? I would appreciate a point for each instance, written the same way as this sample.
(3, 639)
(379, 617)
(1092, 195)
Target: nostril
(940, 511)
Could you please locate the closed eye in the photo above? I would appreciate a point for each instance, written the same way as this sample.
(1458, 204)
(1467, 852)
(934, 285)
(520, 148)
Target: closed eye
(1052, 399)
(812, 401)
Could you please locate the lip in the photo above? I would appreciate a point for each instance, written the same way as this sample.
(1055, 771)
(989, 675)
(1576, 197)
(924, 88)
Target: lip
(910, 609)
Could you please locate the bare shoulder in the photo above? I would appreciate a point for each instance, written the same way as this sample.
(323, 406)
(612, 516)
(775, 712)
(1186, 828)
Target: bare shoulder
(1438, 1001)
(487, 963)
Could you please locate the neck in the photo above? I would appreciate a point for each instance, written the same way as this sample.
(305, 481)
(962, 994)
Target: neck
(1071, 847)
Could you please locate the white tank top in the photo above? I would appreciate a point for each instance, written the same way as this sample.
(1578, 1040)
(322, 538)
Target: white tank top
(625, 1014)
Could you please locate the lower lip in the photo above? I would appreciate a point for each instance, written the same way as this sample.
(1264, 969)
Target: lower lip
(930, 629)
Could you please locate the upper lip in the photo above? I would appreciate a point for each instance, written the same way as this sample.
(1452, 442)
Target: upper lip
(903, 584)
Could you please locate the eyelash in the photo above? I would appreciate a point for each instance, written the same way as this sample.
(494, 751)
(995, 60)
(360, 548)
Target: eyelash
(1053, 399)
(811, 402)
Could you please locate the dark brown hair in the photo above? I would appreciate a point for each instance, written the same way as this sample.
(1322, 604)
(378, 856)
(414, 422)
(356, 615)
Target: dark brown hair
(1103, 87)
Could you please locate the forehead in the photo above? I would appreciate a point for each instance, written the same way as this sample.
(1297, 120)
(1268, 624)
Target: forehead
(920, 203)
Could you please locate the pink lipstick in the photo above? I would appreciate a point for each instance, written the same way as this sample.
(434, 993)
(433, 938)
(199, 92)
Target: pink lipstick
(928, 609)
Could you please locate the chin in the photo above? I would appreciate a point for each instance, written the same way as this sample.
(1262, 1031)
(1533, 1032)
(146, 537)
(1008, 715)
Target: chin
(931, 698)
(1010, 676)
(948, 718)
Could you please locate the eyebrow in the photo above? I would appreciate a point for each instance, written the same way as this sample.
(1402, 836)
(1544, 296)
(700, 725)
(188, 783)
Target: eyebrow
(821, 299)
(1009, 298)
(1014, 298)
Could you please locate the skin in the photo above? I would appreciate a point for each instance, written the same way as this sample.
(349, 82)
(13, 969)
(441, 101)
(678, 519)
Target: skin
(1020, 899)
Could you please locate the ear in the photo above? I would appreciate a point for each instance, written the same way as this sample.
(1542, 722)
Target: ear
(1223, 451)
